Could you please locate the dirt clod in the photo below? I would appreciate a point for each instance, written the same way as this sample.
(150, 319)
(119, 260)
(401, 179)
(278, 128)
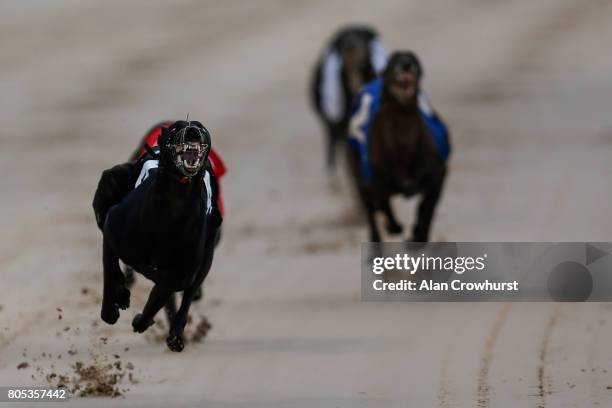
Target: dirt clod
(201, 330)
(95, 378)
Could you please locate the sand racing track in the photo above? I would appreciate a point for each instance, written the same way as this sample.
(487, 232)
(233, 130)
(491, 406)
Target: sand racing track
(525, 86)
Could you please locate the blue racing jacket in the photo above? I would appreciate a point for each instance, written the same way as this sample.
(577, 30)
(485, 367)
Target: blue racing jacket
(365, 107)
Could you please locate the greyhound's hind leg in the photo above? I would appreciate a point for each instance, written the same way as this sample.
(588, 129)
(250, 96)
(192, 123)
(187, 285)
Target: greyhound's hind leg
(115, 295)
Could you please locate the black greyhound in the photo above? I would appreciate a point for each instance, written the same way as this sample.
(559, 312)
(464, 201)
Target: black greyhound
(402, 153)
(139, 156)
(164, 229)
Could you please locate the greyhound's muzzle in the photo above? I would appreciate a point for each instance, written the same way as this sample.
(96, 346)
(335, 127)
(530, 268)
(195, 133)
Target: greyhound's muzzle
(189, 157)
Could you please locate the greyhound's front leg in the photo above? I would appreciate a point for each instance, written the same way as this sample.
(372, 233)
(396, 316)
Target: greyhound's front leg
(115, 295)
(368, 197)
(157, 299)
(393, 225)
(175, 340)
(374, 234)
(426, 208)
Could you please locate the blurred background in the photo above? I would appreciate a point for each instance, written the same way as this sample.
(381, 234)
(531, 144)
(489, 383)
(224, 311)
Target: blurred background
(524, 87)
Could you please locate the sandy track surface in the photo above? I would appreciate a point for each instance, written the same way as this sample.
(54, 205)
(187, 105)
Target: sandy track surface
(525, 88)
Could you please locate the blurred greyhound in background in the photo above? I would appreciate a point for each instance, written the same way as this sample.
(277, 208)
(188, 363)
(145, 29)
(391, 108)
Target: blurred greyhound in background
(354, 56)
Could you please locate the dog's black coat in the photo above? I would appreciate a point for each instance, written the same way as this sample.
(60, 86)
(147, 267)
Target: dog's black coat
(164, 230)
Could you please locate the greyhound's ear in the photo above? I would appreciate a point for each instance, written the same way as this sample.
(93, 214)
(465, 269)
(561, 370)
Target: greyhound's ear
(164, 137)
(164, 151)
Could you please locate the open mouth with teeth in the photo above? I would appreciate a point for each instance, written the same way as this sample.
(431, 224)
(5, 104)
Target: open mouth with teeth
(189, 157)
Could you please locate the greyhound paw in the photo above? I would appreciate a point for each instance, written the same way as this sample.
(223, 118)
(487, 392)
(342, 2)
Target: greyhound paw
(109, 313)
(122, 297)
(394, 228)
(175, 342)
(140, 325)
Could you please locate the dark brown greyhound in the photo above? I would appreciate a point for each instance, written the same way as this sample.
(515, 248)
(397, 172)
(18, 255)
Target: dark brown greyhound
(402, 153)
